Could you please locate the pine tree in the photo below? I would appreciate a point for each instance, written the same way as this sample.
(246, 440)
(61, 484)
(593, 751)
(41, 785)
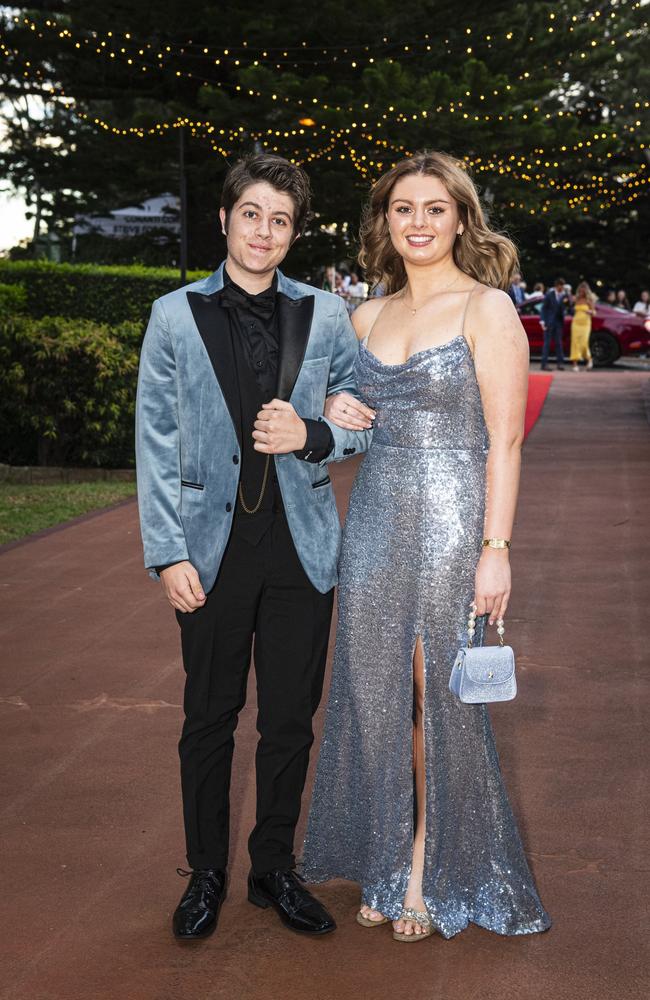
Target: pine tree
(545, 102)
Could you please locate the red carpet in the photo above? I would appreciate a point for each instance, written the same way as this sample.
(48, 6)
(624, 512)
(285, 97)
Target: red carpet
(538, 386)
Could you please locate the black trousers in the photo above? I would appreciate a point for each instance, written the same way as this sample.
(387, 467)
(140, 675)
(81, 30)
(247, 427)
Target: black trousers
(262, 591)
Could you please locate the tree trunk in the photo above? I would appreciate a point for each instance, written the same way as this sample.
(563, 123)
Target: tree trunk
(39, 210)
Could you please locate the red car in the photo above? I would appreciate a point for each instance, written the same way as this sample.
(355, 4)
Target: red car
(614, 332)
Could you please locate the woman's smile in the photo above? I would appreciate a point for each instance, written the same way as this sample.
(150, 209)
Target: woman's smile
(419, 240)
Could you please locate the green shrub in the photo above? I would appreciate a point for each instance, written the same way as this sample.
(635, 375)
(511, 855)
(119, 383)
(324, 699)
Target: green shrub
(13, 299)
(67, 391)
(87, 291)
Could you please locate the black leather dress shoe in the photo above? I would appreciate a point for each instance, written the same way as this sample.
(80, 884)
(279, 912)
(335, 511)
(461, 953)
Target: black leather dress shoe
(294, 904)
(198, 911)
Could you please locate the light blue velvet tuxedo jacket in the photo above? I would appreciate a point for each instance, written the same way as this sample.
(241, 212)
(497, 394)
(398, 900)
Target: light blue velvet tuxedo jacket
(187, 425)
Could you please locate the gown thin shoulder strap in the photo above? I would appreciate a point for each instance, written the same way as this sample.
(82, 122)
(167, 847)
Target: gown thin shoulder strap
(374, 322)
(469, 296)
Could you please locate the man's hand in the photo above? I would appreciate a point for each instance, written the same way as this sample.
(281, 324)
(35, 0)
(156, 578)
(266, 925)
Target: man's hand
(278, 429)
(182, 587)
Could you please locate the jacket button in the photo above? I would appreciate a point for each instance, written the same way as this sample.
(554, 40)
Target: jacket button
(228, 507)
(235, 459)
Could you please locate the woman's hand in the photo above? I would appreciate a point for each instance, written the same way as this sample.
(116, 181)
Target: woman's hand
(347, 412)
(492, 584)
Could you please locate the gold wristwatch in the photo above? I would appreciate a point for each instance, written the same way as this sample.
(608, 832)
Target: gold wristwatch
(496, 543)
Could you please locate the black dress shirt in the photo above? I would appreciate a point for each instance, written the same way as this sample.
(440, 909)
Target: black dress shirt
(253, 319)
(258, 482)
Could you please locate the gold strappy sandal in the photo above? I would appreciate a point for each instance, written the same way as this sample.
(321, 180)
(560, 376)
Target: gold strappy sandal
(366, 922)
(417, 917)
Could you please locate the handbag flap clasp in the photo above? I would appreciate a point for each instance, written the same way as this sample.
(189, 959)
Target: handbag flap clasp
(489, 664)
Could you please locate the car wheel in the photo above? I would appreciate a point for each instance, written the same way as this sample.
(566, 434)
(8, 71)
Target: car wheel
(604, 348)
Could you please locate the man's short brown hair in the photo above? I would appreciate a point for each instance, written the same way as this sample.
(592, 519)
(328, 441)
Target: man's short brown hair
(276, 171)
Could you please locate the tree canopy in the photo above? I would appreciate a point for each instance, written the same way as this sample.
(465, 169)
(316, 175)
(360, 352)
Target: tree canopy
(546, 103)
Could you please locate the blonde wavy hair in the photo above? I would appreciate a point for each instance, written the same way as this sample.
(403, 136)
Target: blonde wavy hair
(486, 255)
(584, 291)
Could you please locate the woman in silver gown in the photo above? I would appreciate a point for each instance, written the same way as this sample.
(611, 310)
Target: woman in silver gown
(409, 799)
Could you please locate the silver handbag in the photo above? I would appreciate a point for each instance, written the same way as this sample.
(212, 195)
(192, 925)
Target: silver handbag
(483, 674)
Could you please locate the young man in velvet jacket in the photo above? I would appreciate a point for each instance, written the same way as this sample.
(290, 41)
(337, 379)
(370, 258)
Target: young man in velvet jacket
(240, 524)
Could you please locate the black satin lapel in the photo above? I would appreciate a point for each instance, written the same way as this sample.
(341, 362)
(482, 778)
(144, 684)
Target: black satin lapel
(294, 320)
(213, 325)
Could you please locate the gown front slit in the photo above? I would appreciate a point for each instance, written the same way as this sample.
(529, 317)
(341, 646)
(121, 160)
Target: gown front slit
(411, 544)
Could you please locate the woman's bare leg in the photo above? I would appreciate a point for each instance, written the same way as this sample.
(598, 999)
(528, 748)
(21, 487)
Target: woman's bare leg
(413, 898)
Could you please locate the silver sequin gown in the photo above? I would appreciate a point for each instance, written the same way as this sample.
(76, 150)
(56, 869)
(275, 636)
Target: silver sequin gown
(410, 548)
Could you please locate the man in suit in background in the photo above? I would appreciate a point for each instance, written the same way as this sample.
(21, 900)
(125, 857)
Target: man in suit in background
(239, 521)
(554, 308)
(516, 290)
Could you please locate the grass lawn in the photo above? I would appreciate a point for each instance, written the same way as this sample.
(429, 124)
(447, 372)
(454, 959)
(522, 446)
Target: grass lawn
(25, 509)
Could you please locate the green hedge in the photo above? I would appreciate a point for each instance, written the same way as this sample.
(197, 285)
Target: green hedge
(67, 391)
(13, 299)
(88, 291)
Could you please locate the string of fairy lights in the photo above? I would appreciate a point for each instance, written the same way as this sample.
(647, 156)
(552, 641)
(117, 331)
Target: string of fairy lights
(134, 52)
(358, 140)
(91, 38)
(356, 56)
(389, 115)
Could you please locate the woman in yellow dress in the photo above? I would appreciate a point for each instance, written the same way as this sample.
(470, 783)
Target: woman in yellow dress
(583, 310)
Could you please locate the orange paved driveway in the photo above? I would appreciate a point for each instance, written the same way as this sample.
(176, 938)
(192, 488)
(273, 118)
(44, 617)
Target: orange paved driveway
(90, 694)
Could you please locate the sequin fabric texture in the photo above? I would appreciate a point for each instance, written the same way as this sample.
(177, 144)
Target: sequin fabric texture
(411, 543)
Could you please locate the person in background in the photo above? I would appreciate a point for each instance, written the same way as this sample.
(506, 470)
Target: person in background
(517, 290)
(339, 287)
(554, 308)
(622, 300)
(357, 292)
(642, 310)
(584, 307)
(539, 288)
(610, 298)
(642, 306)
(330, 279)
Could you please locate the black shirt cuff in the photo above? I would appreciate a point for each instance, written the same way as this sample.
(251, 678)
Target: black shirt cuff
(319, 443)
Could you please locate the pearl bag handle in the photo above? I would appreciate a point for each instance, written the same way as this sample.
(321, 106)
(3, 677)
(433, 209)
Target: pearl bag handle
(471, 627)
